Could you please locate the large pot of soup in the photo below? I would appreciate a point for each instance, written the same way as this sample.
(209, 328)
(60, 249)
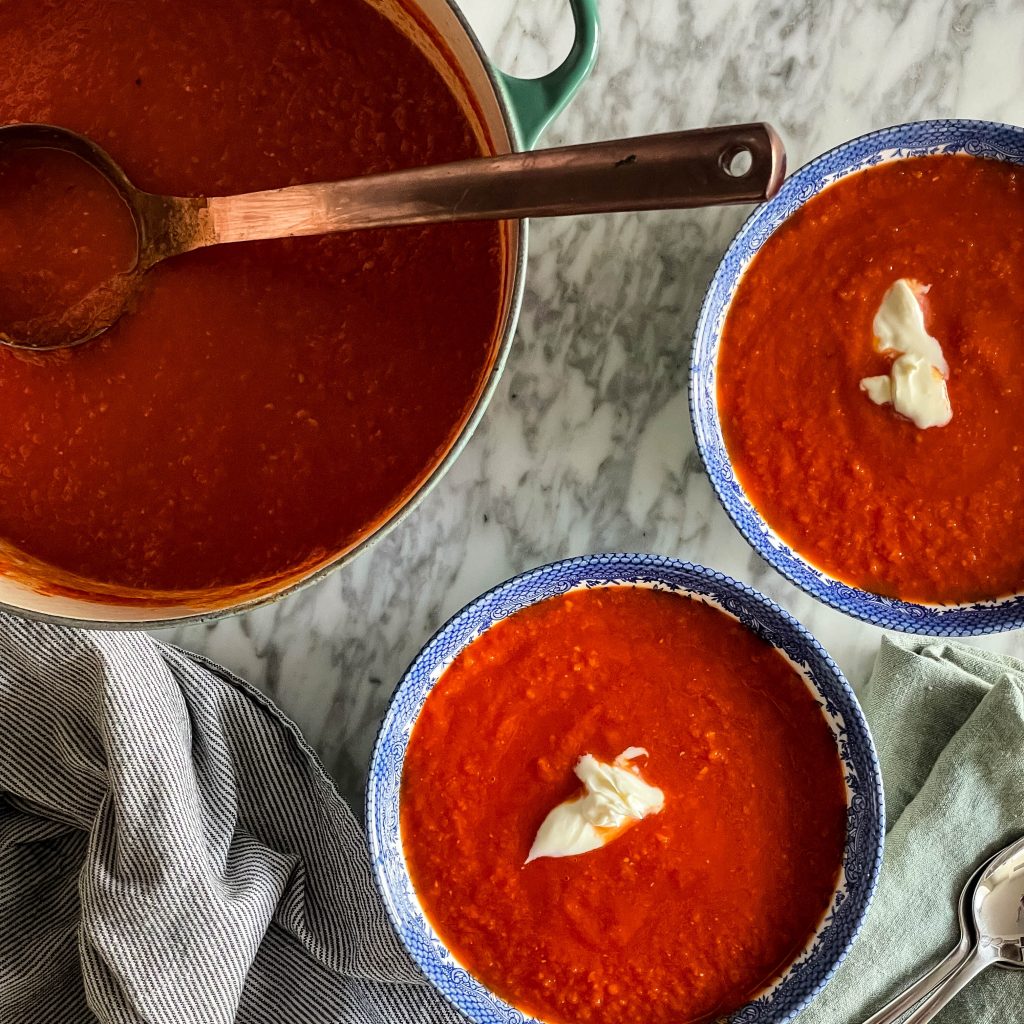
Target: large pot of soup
(267, 410)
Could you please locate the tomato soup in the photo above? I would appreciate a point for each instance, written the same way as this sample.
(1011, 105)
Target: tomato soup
(266, 405)
(694, 909)
(933, 515)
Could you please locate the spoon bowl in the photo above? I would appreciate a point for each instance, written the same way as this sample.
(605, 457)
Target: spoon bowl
(998, 907)
(991, 916)
(164, 226)
(704, 167)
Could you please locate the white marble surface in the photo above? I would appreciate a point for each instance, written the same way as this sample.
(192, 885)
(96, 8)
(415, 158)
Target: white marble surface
(587, 443)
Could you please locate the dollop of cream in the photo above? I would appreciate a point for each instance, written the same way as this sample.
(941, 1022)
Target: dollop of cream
(614, 798)
(916, 384)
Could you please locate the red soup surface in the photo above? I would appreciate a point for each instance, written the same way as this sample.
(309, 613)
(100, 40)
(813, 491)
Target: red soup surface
(693, 910)
(267, 404)
(932, 515)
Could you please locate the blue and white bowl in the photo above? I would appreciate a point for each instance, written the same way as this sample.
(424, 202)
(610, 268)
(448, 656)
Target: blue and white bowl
(977, 138)
(865, 814)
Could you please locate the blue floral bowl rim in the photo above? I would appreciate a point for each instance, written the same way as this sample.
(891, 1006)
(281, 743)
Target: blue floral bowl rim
(980, 618)
(653, 564)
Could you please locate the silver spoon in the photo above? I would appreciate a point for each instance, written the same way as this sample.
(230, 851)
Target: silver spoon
(998, 913)
(950, 963)
(991, 914)
(705, 167)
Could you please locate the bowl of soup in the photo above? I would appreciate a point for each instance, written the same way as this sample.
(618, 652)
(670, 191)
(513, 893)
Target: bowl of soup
(856, 378)
(266, 410)
(625, 787)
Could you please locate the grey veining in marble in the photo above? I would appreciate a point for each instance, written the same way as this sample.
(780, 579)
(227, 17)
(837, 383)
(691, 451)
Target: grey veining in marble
(587, 443)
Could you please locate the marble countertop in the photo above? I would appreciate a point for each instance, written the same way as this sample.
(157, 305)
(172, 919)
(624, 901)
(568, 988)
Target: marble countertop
(587, 445)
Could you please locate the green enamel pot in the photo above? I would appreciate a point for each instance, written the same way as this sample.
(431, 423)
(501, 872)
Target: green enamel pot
(509, 114)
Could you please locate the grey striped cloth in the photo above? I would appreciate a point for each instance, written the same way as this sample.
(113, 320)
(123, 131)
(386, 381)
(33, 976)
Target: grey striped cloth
(172, 852)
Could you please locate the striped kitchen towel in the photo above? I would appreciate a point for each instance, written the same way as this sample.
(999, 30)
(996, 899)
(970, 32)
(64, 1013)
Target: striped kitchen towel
(172, 851)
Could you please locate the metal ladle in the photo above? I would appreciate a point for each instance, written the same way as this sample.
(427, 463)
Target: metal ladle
(991, 913)
(704, 167)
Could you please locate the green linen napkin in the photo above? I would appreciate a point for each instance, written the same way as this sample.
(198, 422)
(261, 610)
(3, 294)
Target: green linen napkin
(948, 721)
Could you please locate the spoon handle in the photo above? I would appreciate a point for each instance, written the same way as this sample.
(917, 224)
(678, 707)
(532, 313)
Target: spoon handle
(704, 167)
(965, 974)
(924, 986)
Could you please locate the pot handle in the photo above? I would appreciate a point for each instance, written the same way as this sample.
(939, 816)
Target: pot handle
(535, 102)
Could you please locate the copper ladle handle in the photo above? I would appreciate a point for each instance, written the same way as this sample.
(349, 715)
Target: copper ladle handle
(704, 167)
